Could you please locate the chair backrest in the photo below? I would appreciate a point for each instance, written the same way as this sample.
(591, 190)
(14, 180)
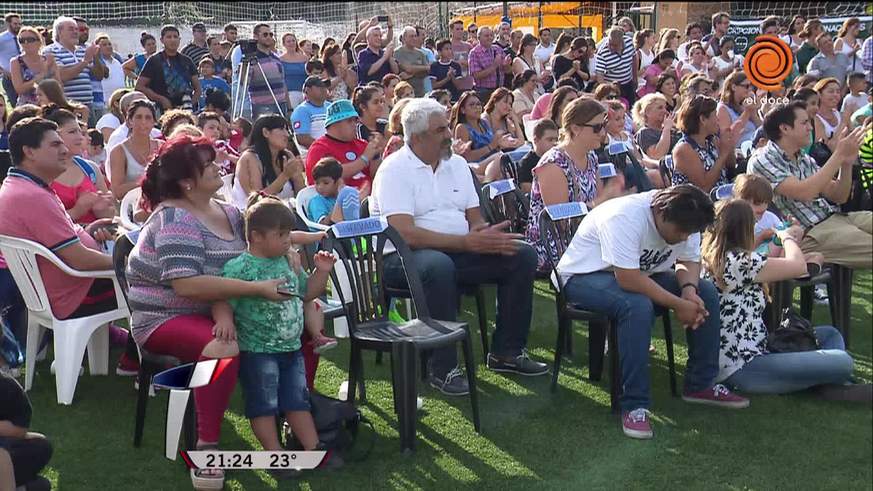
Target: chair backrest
(301, 201)
(365, 208)
(558, 224)
(128, 208)
(360, 245)
(725, 191)
(123, 245)
(504, 201)
(509, 167)
(20, 256)
(665, 167)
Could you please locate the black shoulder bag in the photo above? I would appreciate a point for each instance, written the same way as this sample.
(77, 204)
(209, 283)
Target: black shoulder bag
(793, 334)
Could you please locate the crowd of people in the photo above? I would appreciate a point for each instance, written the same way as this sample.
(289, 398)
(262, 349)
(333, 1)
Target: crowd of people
(217, 137)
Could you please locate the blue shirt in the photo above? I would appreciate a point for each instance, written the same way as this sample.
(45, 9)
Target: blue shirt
(431, 58)
(295, 75)
(206, 83)
(79, 88)
(319, 207)
(8, 49)
(366, 59)
(308, 119)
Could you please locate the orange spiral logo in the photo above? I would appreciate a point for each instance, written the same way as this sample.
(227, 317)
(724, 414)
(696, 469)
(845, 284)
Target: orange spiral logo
(768, 62)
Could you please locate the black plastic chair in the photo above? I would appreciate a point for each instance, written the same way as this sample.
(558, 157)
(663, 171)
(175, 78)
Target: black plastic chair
(559, 222)
(503, 201)
(360, 245)
(149, 363)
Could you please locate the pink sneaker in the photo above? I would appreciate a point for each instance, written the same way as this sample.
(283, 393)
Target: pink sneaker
(127, 367)
(717, 395)
(636, 424)
(323, 343)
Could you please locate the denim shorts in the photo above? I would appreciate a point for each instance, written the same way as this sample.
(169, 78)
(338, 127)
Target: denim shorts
(273, 382)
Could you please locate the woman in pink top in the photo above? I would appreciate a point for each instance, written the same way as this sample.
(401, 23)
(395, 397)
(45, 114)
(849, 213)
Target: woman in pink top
(82, 187)
(652, 72)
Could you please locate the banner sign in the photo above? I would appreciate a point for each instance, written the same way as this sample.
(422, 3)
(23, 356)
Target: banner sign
(745, 31)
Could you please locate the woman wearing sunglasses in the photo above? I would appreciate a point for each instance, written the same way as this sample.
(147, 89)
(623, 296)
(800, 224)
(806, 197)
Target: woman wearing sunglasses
(568, 172)
(574, 64)
(30, 68)
(737, 108)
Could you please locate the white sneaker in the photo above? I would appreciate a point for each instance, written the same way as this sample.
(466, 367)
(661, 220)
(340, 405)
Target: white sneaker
(151, 388)
(821, 294)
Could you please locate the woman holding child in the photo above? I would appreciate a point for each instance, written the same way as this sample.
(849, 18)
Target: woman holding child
(175, 276)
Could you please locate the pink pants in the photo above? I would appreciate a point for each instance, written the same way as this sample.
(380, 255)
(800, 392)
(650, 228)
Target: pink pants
(184, 337)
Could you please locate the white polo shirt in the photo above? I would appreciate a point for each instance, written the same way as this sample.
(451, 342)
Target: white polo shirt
(436, 200)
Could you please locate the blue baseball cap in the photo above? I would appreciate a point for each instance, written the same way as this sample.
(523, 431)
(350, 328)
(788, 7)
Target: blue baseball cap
(339, 110)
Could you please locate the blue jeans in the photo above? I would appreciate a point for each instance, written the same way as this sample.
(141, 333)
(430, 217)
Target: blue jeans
(273, 382)
(634, 315)
(780, 373)
(443, 273)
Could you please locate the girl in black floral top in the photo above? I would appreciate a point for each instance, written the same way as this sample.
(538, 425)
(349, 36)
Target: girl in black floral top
(740, 275)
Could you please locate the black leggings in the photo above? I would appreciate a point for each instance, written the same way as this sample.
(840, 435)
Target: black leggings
(29, 456)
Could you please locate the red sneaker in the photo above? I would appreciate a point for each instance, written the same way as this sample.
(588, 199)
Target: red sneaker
(635, 424)
(127, 367)
(323, 343)
(717, 395)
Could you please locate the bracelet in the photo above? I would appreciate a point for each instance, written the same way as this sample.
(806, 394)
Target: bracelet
(692, 285)
(364, 159)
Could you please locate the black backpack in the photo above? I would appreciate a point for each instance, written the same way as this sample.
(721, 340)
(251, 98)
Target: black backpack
(338, 424)
(793, 334)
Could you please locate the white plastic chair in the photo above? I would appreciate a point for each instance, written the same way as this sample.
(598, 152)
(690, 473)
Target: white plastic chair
(528, 126)
(128, 208)
(71, 336)
(300, 202)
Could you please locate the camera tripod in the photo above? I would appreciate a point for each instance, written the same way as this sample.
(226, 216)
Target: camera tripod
(242, 87)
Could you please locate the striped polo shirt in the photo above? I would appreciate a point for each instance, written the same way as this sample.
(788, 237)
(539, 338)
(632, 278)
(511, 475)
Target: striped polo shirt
(196, 53)
(78, 88)
(616, 67)
(275, 78)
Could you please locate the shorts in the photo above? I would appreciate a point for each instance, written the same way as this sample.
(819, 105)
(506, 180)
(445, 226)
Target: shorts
(273, 383)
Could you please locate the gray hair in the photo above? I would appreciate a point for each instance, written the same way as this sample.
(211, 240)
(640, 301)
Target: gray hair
(415, 117)
(373, 29)
(615, 34)
(56, 26)
(409, 29)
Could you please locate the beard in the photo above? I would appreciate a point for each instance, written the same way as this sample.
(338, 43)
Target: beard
(446, 149)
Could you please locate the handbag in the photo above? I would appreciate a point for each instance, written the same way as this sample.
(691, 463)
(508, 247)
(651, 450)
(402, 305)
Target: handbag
(793, 334)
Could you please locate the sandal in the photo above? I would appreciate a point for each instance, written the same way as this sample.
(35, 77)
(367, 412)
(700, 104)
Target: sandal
(207, 479)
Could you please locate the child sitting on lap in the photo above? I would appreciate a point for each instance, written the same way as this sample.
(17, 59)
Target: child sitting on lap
(272, 373)
(335, 201)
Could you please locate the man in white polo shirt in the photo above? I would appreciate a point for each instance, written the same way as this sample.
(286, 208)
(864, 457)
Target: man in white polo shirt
(428, 195)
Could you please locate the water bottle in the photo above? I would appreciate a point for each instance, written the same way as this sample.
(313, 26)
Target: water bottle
(343, 392)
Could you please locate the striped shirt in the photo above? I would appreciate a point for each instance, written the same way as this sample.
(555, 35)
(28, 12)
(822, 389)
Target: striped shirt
(173, 245)
(78, 88)
(775, 165)
(616, 67)
(259, 88)
(196, 53)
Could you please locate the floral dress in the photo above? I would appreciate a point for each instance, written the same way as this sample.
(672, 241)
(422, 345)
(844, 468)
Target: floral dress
(581, 187)
(708, 155)
(741, 304)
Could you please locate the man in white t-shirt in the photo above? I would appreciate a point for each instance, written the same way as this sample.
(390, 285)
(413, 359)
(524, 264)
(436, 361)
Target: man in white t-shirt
(631, 254)
(427, 194)
(545, 48)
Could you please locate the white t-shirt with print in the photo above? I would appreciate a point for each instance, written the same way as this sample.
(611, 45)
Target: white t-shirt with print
(767, 222)
(621, 233)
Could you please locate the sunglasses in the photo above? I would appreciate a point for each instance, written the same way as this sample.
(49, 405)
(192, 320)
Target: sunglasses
(268, 34)
(28, 40)
(597, 128)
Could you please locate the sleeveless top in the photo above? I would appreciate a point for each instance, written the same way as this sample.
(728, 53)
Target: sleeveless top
(140, 62)
(135, 168)
(69, 195)
(239, 196)
(748, 131)
(482, 139)
(295, 75)
(708, 155)
(581, 187)
(27, 74)
(847, 49)
(829, 130)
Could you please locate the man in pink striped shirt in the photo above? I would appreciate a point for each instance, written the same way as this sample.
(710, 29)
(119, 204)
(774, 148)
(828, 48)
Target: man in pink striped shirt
(487, 64)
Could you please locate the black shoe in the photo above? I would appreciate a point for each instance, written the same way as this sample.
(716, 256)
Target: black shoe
(453, 384)
(282, 474)
(332, 460)
(521, 364)
(38, 484)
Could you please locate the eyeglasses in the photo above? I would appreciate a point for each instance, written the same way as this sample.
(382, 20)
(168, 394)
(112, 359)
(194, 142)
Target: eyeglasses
(267, 34)
(597, 128)
(28, 40)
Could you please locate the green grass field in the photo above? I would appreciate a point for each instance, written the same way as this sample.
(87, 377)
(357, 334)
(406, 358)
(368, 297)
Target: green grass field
(531, 438)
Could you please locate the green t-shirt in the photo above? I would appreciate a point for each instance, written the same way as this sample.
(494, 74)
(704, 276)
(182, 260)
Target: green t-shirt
(263, 326)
